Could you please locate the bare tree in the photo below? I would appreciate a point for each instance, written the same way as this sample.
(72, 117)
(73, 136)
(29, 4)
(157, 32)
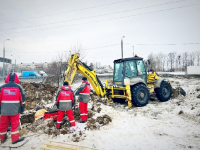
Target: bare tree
(171, 59)
(185, 59)
(177, 61)
(152, 58)
(192, 58)
(198, 58)
(174, 60)
(162, 60)
(59, 65)
(98, 65)
(158, 63)
(91, 66)
(54, 73)
(77, 49)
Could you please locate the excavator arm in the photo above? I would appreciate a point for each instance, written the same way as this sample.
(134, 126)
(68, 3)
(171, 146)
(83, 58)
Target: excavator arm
(74, 65)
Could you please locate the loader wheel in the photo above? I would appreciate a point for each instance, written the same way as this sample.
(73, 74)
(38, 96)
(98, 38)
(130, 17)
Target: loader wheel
(164, 92)
(140, 95)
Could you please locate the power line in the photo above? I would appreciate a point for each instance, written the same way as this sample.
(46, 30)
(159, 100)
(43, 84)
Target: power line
(88, 49)
(67, 11)
(94, 16)
(101, 47)
(169, 44)
(83, 49)
(107, 19)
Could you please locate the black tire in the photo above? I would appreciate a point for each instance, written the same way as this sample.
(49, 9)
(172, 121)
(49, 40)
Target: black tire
(164, 92)
(140, 95)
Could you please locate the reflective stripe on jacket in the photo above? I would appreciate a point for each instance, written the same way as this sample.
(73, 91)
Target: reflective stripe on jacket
(84, 94)
(12, 98)
(65, 98)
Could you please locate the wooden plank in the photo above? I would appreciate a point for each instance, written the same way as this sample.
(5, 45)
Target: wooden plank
(48, 148)
(73, 144)
(53, 145)
(62, 146)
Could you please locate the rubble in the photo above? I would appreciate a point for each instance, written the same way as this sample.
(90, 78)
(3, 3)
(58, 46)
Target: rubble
(43, 94)
(76, 137)
(29, 118)
(22, 132)
(181, 112)
(95, 124)
(197, 88)
(38, 93)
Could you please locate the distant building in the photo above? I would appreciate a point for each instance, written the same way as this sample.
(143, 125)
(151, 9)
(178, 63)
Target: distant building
(27, 66)
(33, 66)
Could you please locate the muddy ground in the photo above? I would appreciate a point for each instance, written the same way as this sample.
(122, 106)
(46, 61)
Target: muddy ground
(174, 124)
(38, 93)
(43, 94)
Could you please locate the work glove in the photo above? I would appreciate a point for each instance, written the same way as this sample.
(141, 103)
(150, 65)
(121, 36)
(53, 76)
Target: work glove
(22, 110)
(57, 105)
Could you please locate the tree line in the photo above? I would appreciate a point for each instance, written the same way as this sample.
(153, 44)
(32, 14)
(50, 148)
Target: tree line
(173, 60)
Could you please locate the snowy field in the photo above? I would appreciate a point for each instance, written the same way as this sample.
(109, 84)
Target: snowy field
(174, 124)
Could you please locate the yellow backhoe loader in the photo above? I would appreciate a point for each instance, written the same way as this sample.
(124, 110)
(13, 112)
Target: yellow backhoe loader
(130, 81)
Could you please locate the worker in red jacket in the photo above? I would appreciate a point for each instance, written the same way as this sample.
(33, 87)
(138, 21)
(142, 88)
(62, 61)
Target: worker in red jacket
(12, 103)
(65, 99)
(84, 95)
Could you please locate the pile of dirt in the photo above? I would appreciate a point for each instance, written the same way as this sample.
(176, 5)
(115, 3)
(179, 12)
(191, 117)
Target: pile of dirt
(94, 124)
(42, 94)
(175, 92)
(38, 93)
(47, 126)
(27, 118)
(76, 137)
(77, 117)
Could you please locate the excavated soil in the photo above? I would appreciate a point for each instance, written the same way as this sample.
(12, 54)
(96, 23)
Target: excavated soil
(28, 118)
(38, 93)
(95, 124)
(43, 94)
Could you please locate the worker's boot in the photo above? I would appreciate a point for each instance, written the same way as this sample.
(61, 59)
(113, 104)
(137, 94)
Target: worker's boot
(3, 139)
(21, 139)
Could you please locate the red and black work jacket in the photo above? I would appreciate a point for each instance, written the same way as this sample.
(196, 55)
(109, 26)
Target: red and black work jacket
(12, 97)
(84, 92)
(65, 98)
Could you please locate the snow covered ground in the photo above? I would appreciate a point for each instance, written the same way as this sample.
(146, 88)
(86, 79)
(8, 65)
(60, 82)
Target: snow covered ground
(174, 124)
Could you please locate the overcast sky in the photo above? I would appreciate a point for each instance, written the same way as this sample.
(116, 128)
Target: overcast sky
(38, 30)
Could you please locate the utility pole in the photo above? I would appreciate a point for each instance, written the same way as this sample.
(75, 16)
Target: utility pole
(179, 57)
(4, 57)
(133, 51)
(15, 64)
(122, 45)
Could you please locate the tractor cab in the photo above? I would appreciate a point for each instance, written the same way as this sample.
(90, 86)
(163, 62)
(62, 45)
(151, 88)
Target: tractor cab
(131, 68)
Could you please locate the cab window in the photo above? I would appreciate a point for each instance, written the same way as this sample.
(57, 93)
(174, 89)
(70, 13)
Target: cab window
(141, 67)
(118, 74)
(141, 70)
(130, 70)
